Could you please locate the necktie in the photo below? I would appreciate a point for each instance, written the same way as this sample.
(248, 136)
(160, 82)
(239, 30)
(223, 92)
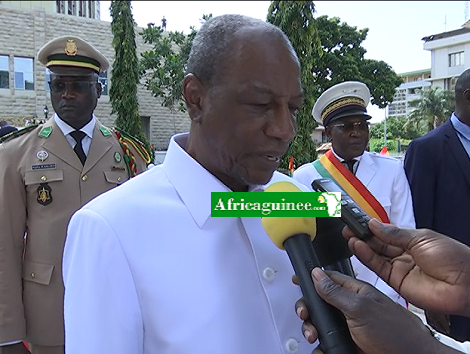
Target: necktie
(78, 136)
(350, 165)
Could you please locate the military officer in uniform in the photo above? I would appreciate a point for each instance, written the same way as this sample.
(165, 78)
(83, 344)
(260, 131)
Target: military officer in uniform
(48, 172)
(379, 180)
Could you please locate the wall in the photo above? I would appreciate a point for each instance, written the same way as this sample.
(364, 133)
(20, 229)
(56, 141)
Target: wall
(32, 29)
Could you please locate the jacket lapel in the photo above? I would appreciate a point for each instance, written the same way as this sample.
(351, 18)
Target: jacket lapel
(366, 169)
(57, 144)
(456, 149)
(100, 145)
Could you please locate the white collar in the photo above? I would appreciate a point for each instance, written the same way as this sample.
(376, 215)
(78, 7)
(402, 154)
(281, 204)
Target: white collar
(67, 129)
(357, 158)
(192, 181)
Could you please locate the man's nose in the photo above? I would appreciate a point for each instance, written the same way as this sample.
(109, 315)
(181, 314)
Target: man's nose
(68, 91)
(283, 125)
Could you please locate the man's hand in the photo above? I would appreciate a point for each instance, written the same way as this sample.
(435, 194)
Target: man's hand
(428, 269)
(376, 323)
(17, 348)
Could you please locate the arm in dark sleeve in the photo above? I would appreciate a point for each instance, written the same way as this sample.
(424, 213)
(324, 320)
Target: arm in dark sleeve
(420, 168)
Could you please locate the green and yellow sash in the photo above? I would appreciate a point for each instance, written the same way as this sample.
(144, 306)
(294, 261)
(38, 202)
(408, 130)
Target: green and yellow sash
(328, 166)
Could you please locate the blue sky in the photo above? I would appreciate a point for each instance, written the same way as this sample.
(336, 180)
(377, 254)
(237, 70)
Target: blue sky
(395, 27)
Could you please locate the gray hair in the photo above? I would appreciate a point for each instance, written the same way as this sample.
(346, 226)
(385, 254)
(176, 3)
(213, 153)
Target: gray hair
(211, 45)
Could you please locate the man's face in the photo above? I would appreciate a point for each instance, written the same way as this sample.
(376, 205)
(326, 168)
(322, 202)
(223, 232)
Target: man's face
(74, 94)
(349, 136)
(247, 119)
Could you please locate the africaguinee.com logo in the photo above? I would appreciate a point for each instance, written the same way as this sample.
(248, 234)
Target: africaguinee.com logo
(285, 204)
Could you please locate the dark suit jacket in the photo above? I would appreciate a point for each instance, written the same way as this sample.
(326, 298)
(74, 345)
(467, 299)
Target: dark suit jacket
(438, 170)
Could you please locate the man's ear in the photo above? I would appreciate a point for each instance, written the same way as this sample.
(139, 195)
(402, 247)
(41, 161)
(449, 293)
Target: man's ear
(466, 95)
(193, 92)
(99, 89)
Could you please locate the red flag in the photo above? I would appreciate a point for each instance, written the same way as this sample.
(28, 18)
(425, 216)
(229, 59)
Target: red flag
(291, 165)
(384, 151)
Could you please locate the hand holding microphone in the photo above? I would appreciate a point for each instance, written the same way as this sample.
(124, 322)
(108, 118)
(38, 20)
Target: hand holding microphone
(294, 234)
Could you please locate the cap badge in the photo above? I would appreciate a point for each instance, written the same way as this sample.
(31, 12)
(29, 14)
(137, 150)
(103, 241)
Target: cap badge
(71, 47)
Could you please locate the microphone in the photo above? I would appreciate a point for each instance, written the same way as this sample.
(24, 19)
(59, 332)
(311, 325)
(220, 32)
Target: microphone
(331, 247)
(295, 235)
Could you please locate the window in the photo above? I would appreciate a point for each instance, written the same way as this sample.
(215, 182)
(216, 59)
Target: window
(456, 59)
(24, 74)
(60, 5)
(4, 72)
(449, 84)
(48, 78)
(145, 121)
(103, 78)
(82, 8)
(71, 8)
(91, 13)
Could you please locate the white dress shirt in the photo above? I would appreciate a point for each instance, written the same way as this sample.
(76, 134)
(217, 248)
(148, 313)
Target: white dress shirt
(147, 270)
(87, 129)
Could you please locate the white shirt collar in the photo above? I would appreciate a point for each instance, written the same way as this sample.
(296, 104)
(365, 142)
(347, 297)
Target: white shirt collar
(192, 181)
(67, 129)
(357, 158)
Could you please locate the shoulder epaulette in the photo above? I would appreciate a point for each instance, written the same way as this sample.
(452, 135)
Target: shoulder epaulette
(136, 143)
(18, 133)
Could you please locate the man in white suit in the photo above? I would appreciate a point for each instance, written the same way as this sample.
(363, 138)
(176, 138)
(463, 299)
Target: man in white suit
(342, 111)
(168, 278)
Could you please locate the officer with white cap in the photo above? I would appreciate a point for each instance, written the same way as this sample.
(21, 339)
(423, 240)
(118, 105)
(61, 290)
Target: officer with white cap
(48, 172)
(342, 110)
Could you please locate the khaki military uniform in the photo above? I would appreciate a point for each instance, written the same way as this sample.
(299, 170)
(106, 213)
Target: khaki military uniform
(42, 183)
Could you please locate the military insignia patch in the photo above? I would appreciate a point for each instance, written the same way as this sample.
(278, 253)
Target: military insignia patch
(45, 132)
(42, 155)
(71, 47)
(105, 131)
(44, 194)
(117, 157)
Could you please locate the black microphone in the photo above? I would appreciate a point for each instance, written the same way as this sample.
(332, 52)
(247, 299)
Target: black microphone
(295, 234)
(331, 247)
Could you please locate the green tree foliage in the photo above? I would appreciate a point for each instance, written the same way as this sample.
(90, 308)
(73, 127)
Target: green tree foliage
(432, 109)
(397, 128)
(343, 60)
(125, 74)
(163, 65)
(295, 18)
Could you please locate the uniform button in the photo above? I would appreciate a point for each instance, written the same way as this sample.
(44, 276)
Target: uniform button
(84, 178)
(33, 275)
(268, 274)
(43, 178)
(119, 179)
(292, 345)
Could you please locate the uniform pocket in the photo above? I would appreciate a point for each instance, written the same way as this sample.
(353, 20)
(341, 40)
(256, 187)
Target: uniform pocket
(115, 177)
(37, 272)
(37, 177)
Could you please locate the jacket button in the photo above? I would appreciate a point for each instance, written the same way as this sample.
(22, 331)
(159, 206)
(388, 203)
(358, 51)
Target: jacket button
(119, 179)
(33, 275)
(84, 178)
(43, 178)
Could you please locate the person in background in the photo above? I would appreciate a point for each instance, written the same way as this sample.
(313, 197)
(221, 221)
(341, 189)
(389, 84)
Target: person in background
(437, 166)
(48, 172)
(377, 183)
(6, 128)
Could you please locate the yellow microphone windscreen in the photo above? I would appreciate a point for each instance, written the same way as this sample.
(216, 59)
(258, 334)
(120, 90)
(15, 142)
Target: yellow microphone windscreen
(280, 229)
